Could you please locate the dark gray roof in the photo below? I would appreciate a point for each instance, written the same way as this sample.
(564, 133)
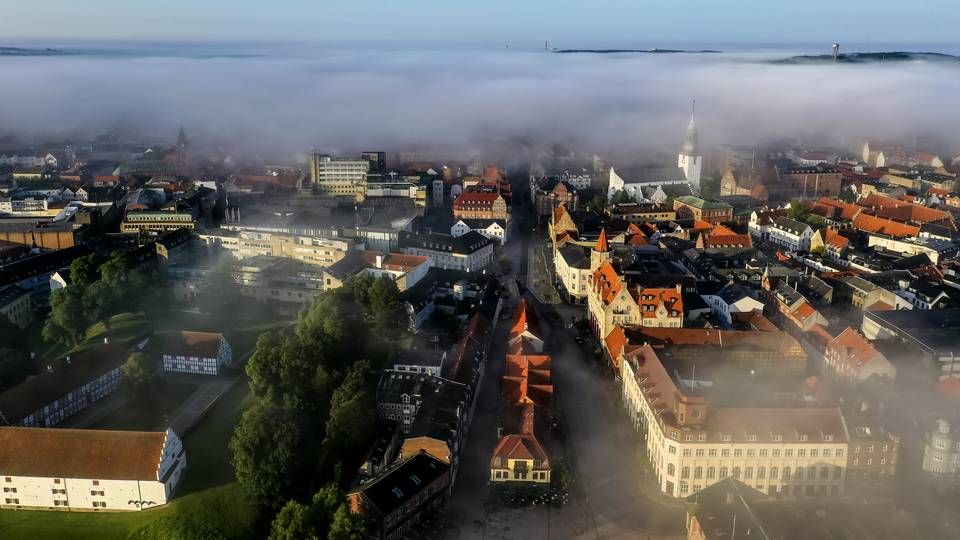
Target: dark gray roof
(575, 256)
(404, 482)
(464, 245)
(791, 225)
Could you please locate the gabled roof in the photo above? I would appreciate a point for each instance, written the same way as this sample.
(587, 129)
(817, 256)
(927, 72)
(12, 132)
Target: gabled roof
(521, 446)
(403, 482)
(856, 350)
(525, 320)
(834, 239)
(872, 224)
(615, 341)
(602, 245)
(606, 280)
(81, 453)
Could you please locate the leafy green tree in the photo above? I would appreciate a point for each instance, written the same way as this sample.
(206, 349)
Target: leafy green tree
(283, 372)
(84, 271)
(352, 420)
(140, 372)
(293, 522)
(268, 454)
(621, 197)
(360, 287)
(68, 318)
(798, 212)
(346, 525)
(848, 195)
(385, 306)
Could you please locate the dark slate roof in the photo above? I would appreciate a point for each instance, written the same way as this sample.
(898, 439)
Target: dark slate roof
(404, 482)
(22, 269)
(791, 225)
(463, 245)
(575, 256)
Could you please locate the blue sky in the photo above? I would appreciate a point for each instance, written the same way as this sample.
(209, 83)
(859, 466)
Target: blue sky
(563, 22)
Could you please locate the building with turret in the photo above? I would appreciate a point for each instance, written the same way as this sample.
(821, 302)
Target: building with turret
(689, 159)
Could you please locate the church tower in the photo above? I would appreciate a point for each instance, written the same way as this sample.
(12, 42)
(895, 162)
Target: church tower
(600, 252)
(689, 158)
(182, 147)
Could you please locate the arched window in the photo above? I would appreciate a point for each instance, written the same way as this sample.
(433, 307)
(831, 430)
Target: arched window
(761, 473)
(736, 472)
(685, 472)
(786, 473)
(723, 472)
(711, 473)
(773, 473)
(748, 473)
(798, 474)
(698, 472)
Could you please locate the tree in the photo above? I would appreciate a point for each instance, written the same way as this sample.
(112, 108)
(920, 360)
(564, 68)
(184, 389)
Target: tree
(385, 307)
(68, 320)
(848, 195)
(139, 372)
(352, 420)
(268, 454)
(346, 525)
(293, 522)
(84, 271)
(621, 197)
(598, 204)
(221, 288)
(798, 212)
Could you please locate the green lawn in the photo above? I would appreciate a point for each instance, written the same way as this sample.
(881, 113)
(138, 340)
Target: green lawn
(151, 408)
(208, 456)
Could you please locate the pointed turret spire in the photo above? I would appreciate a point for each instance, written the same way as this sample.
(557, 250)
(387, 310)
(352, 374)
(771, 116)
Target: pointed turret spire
(690, 142)
(182, 138)
(602, 245)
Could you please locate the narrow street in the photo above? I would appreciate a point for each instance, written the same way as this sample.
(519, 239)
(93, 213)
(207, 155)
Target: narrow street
(610, 497)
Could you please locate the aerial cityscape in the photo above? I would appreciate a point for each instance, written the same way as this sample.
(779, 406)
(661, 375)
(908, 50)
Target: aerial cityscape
(568, 272)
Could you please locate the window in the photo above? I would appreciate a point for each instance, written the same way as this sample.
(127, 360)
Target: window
(713, 452)
(736, 472)
(686, 452)
(699, 452)
(839, 452)
(698, 472)
(776, 452)
(814, 452)
(56, 480)
(786, 473)
(811, 473)
(725, 452)
(798, 473)
(748, 473)
(827, 452)
(711, 473)
(96, 482)
(802, 452)
(672, 449)
(738, 452)
(773, 473)
(788, 452)
(761, 473)
(751, 453)
(685, 472)
(671, 470)
(763, 452)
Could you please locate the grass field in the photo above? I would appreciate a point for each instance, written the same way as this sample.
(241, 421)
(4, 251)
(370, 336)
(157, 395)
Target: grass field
(208, 505)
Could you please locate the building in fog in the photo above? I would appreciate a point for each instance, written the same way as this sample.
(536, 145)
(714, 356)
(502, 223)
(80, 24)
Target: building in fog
(334, 177)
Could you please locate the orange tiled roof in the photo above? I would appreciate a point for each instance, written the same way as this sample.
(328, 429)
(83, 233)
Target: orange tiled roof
(650, 299)
(854, 349)
(872, 224)
(524, 320)
(633, 229)
(728, 240)
(615, 341)
(397, 262)
(721, 230)
(521, 446)
(607, 282)
(835, 239)
(602, 245)
(803, 312)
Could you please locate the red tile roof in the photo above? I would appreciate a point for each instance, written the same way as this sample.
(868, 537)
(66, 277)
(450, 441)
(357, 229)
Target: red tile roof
(525, 320)
(607, 282)
(396, 262)
(833, 238)
(81, 453)
(602, 246)
(872, 224)
(521, 446)
(853, 349)
(650, 299)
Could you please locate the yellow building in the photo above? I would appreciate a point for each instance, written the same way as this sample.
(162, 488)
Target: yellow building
(692, 443)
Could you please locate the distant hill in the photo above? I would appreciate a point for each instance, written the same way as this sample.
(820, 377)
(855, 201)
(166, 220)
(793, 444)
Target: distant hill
(17, 51)
(641, 51)
(868, 58)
